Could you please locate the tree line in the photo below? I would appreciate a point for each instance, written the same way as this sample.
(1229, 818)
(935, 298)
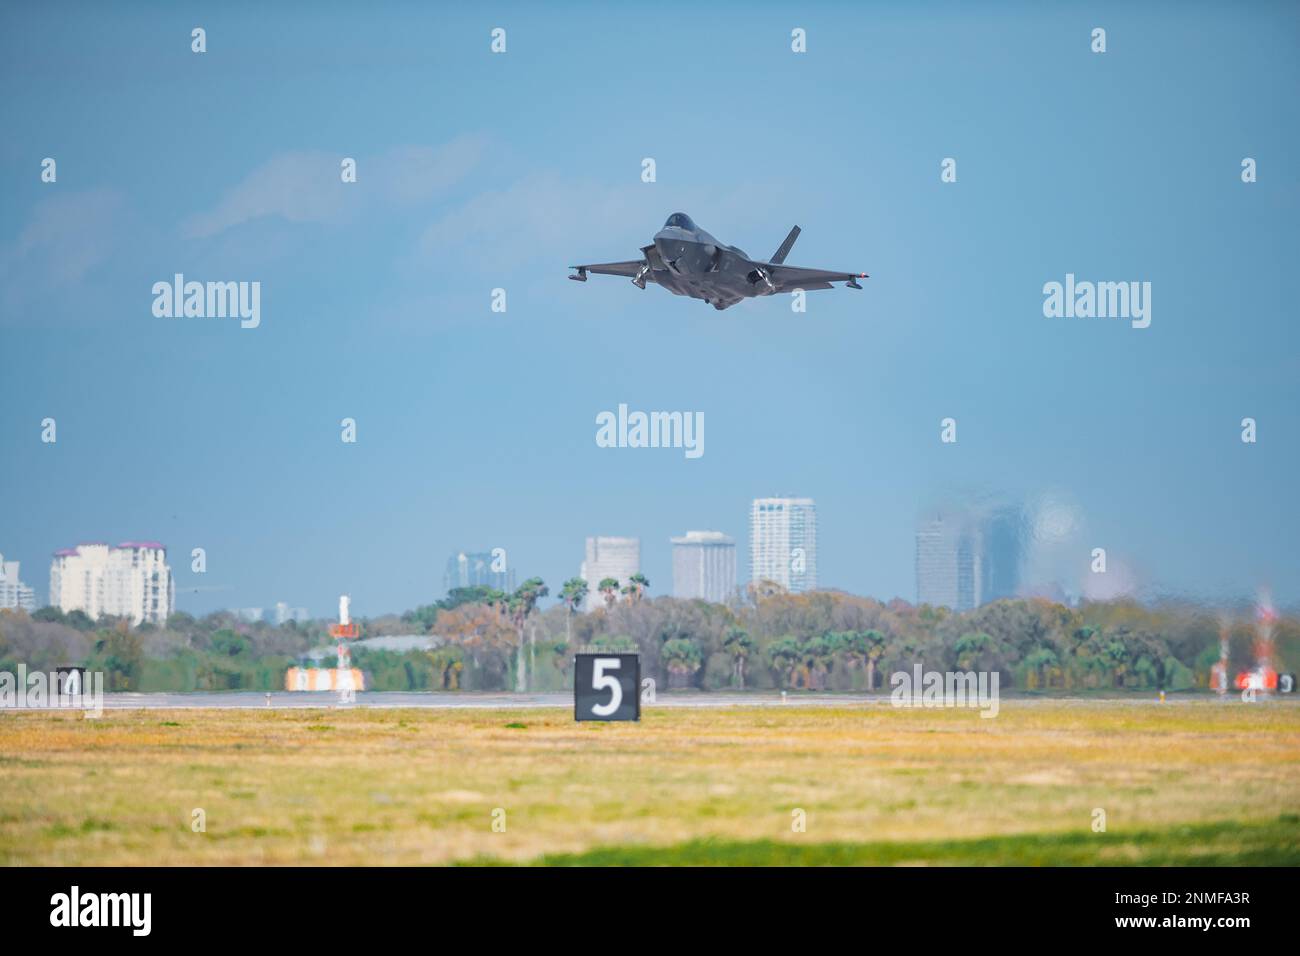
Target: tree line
(483, 639)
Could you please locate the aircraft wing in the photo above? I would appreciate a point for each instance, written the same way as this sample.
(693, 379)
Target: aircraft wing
(628, 269)
(792, 277)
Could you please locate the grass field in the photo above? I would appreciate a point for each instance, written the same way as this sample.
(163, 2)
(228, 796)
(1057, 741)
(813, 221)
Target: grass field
(1188, 782)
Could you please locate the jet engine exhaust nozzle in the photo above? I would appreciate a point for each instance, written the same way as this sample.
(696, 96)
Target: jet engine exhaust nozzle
(760, 277)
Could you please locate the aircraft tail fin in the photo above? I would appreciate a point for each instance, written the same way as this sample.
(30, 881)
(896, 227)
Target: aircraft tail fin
(785, 247)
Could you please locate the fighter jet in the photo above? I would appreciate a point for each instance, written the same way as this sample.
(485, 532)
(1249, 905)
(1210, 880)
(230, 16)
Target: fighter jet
(686, 260)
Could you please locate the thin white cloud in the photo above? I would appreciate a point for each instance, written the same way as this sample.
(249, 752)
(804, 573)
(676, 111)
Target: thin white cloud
(419, 173)
(306, 186)
(299, 187)
(67, 236)
(539, 213)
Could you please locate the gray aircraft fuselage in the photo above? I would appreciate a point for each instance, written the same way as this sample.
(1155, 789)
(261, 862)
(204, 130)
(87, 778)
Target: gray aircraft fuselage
(687, 260)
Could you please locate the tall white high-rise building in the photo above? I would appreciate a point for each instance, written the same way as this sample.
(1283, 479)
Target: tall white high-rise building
(131, 580)
(783, 542)
(704, 566)
(617, 558)
(13, 593)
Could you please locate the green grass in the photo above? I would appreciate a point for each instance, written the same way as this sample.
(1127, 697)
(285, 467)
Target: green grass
(1276, 843)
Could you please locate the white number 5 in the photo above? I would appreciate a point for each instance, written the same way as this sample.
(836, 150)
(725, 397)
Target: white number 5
(600, 680)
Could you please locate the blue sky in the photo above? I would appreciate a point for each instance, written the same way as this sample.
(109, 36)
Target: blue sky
(476, 171)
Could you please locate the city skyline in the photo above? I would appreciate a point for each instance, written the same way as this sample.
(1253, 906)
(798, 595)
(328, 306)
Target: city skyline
(1008, 539)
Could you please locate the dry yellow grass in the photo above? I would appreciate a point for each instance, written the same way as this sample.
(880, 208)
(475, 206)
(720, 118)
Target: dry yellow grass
(356, 786)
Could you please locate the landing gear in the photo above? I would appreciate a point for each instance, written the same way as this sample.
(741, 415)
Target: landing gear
(581, 276)
(638, 280)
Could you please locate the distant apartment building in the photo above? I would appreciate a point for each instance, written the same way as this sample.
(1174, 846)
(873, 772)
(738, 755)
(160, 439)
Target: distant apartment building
(617, 558)
(704, 566)
(478, 569)
(14, 595)
(131, 580)
(967, 559)
(783, 542)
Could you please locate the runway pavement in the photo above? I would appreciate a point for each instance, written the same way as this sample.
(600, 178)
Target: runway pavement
(302, 700)
(290, 700)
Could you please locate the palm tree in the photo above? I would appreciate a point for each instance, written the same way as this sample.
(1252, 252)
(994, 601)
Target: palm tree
(784, 656)
(608, 589)
(875, 650)
(1041, 661)
(738, 644)
(497, 600)
(572, 594)
(636, 586)
(817, 653)
(563, 659)
(1117, 658)
(521, 604)
(852, 646)
(682, 657)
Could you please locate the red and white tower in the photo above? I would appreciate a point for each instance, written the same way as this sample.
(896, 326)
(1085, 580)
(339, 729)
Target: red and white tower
(1263, 677)
(345, 630)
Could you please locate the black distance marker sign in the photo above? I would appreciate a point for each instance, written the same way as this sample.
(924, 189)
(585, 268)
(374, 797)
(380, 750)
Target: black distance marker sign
(607, 687)
(71, 680)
